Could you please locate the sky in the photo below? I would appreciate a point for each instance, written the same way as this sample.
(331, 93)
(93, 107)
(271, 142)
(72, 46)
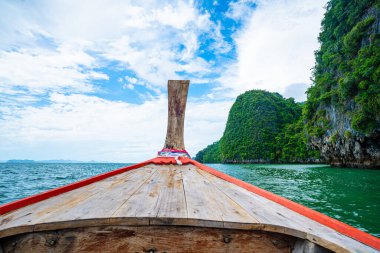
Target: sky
(87, 80)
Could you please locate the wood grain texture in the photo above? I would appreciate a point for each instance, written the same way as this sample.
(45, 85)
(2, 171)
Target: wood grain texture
(171, 198)
(177, 96)
(150, 239)
(170, 195)
(282, 220)
(84, 203)
(205, 201)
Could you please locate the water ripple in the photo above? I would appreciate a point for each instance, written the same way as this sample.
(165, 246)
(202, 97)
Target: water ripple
(350, 195)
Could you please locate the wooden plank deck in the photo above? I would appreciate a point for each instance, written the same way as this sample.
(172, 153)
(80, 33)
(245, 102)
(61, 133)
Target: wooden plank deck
(170, 195)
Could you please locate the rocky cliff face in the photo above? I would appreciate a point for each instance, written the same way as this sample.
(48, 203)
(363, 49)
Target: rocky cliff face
(343, 107)
(342, 146)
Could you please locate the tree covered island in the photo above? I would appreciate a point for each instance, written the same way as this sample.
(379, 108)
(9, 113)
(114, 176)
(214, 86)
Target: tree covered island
(340, 121)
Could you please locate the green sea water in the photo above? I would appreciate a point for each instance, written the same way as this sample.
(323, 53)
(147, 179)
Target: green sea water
(349, 195)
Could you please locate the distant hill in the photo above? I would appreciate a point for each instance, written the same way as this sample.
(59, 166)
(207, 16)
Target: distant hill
(20, 161)
(69, 161)
(262, 127)
(52, 161)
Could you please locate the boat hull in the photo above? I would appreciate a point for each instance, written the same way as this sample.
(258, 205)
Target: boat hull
(172, 193)
(155, 239)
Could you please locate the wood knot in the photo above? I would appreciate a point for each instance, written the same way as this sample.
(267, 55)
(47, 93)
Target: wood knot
(227, 239)
(51, 242)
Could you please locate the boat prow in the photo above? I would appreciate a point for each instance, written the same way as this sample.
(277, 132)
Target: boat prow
(171, 204)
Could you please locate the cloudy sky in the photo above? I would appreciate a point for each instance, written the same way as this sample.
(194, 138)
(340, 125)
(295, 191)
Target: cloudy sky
(86, 80)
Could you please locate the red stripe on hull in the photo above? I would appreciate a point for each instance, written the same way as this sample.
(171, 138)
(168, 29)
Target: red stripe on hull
(57, 191)
(339, 226)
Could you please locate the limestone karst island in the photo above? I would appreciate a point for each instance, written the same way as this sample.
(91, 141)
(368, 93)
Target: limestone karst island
(338, 124)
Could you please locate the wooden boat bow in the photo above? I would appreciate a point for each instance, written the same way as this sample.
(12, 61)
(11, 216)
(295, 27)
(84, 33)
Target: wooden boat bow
(171, 203)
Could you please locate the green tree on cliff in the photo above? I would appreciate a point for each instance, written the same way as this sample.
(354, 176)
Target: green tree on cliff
(347, 70)
(261, 126)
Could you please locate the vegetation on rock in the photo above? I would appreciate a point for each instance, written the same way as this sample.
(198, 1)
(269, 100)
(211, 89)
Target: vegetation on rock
(347, 71)
(263, 127)
(210, 154)
(342, 111)
(341, 116)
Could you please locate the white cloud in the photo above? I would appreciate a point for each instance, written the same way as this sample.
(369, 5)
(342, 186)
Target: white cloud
(165, 47)
(276, 46)
(51, 51)
(131, 80)
(63, 40)
(205, 123)
(128, 86)
(220, 44)
(39, 69)
(90, 128)
(241, 9)
(176, 16)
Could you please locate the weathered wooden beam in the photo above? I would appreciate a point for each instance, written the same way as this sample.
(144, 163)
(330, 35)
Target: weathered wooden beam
(155, 239)
(177, 96)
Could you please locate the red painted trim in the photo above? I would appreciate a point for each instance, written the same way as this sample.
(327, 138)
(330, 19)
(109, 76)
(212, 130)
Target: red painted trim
(339, 226)
(54, 192)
